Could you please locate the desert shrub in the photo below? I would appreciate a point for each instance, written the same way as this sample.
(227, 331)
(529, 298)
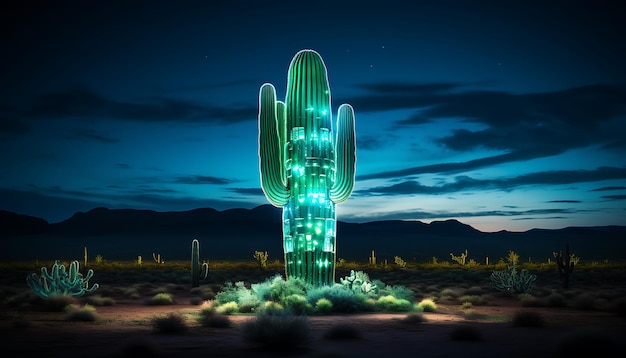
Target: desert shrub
(513, 281)
(529, 300)
(131, 292)
(86, 313)
(227, 308)
(196, 301)
(449, 294)
(392, 304)
(162, 298)
(210, 318)
(323, 306)
(474, 290)
(277, 289)
(343, 299)
(466, 305)
(172, 323)
(100, 301)
(465, 333)
(397, 291)
(298, 304)
(271, 308)
(58, 303)
(528, 319)
(474, 300)
(414, 318)
(554, 300)
(427, 305)
(231, 292)
(277, 332)
(343, 332)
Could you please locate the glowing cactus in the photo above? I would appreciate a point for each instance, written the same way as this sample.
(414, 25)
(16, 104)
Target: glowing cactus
(304, 168)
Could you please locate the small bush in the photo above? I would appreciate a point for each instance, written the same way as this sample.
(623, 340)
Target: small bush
(59, 302)
(100, 301)
(528, 319)
(466, 305)
(298, 304)
(86, 313)
(427, 305)
(465, 333)
(277, 332)
(172, 323)
(529, 300)
(392, 304)
(271, 308)
(474, 300)
(210, 318)
(554, 300)
(227, 308)
(162, 298)
(343, 332)
(323, 306)
(414, 318)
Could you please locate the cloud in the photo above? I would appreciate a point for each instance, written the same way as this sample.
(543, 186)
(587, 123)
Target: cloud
(422, 215)
(563, 201)
(247, 191)
(202, 179)
(463, 182)
(94, 135)
(86, 104)
(614, 197)
(609, 188)
(525, 126)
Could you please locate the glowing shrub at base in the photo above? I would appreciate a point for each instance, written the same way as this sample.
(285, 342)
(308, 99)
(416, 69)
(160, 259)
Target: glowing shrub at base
(305, 167)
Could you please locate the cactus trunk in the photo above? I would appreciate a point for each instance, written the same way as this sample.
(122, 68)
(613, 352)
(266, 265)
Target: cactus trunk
(195, 263)
(303, 168)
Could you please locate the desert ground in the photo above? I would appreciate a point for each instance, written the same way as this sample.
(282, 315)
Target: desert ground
(588, 317)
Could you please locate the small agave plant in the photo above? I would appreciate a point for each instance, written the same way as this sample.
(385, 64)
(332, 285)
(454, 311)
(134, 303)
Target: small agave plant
(358, 281)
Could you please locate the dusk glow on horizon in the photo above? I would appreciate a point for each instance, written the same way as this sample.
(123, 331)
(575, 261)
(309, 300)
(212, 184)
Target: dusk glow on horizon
(502, 115)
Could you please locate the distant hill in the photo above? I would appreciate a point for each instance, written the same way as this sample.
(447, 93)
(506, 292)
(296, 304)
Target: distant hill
(235, 234)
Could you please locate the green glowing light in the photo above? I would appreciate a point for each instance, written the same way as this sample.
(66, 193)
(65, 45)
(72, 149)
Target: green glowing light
(304, 169)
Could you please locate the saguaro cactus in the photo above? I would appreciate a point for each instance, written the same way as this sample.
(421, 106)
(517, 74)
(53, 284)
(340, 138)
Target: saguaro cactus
(304, 168)
(198, 271)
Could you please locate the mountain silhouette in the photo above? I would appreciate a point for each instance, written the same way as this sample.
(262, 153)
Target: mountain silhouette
(234, 234)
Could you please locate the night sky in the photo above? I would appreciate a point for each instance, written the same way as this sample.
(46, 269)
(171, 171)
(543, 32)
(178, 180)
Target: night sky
(505, 115)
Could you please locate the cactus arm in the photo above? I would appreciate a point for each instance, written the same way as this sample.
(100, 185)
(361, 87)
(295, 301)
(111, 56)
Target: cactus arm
(345, 148)
(271, 149)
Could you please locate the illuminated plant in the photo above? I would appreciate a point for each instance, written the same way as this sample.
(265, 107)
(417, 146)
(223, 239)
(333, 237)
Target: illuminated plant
(59, 282)
(198, 270)
(305, 167)
(513, 281)
(261, 257)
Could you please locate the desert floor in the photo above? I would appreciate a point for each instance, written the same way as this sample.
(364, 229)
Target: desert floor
(125, 328)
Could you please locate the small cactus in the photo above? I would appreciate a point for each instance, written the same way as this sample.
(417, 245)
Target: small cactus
(565, 265)
(61, 282)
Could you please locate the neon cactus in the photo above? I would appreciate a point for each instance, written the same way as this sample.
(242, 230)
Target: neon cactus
(304, 169)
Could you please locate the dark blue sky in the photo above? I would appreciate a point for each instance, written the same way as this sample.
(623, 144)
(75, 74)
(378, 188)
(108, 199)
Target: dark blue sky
(501, 114)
